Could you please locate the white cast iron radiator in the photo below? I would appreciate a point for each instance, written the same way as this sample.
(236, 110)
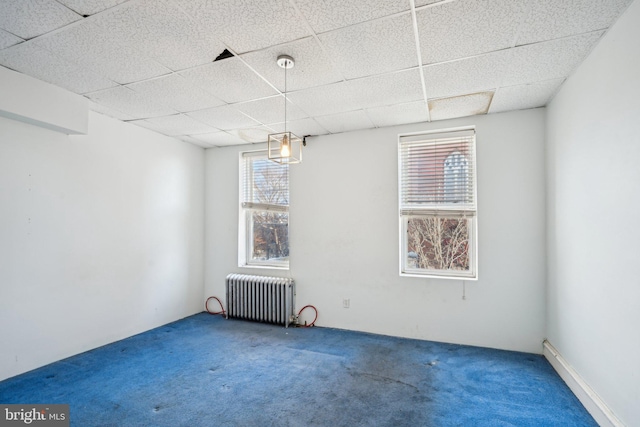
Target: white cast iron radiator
(261, 298)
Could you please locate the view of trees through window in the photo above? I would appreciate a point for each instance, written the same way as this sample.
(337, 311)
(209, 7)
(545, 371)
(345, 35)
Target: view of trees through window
(437, 243)
(269, 226)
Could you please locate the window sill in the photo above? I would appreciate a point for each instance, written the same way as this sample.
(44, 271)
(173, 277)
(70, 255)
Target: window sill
(265, 267)
(438, 276)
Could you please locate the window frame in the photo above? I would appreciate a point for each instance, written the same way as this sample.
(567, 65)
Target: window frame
(245, 222)
(435, 211)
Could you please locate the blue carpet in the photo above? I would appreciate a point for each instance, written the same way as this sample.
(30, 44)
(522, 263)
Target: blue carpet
(208, 371)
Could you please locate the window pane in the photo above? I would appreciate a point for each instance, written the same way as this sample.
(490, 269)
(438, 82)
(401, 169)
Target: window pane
(270, 236)
(270, 182)
(438, 243)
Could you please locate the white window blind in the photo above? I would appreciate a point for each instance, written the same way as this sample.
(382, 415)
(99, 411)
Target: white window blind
(437, 172)
(265, 183)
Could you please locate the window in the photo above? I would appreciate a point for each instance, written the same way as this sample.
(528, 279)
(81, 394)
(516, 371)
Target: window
(438, 204)
(264, 212)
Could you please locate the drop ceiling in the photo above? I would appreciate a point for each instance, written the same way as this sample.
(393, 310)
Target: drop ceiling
(359, 64)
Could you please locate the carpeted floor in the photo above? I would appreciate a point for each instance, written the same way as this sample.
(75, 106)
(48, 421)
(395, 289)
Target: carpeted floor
(208, 371)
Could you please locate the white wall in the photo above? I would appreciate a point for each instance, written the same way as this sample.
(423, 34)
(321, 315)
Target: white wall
(344, 236)
(100, 237)
(593, 152)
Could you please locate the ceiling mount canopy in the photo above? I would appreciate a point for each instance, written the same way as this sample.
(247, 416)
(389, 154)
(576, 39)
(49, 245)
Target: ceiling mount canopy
(285, 147)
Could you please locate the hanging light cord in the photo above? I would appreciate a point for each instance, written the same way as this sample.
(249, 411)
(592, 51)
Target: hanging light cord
(285, 96)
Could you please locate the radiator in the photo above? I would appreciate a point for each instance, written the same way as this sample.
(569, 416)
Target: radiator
(261, 298)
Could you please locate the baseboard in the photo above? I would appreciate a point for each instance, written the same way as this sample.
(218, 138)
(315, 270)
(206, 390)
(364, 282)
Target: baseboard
(591, 401)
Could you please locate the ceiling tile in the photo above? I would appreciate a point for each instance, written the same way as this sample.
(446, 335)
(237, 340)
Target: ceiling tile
(524, 96)
(270, 110)
(460, 29)
(551, 19)
(176, 92)
(176, 124)
(312, 65)
(90, 7)
(102, 109)
(230, 80)
(31, 18)
(219, 139)
(8, 39)
(225, 118)
(467, 75)
(253, 135)
(460, 106)
(301, 127)
(163, 32)
(386, 89)
(41, 64)
(93, 47)
(192, 140)
(345, 122)
(129, 102)
(548, 60)
(328, 15)
(373, 47)
(250, 24)
(411, 112)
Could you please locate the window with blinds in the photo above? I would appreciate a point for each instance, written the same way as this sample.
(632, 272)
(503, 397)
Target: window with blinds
(264, 203)
(437, 203)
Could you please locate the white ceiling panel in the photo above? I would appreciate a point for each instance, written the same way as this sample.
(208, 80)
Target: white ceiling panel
(176, 92)
(176, 124)
(373, 47)
(312, 66)
(467, 75)
(386, 89)
(301, 127)
(31, 18)
(225, 118)
(163, 32)
(90, 7)
(345, 122)
(249, 24)
(92, 47)
(270, 110)
(230, 80)
(552, 19)
(460, 29)
(42, 64)
(129, 102)
(524, 96)
(398, 114)
(460, 106)
(548, 60)
(192, 140)
(329, 15)
(8, 39)
(219, 139)
(252, 135)
(102, 109)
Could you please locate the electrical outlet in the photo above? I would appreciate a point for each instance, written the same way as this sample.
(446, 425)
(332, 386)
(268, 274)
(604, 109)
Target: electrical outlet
(346, 302)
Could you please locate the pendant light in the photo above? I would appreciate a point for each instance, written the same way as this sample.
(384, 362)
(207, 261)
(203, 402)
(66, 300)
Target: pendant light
(285, 147)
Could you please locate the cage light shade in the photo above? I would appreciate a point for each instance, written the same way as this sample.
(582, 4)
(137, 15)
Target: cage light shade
(285, 148)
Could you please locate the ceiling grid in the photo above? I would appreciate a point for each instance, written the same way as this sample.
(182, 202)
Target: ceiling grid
(359, 64)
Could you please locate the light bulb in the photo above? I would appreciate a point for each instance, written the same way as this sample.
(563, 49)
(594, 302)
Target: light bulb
(284, 150)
